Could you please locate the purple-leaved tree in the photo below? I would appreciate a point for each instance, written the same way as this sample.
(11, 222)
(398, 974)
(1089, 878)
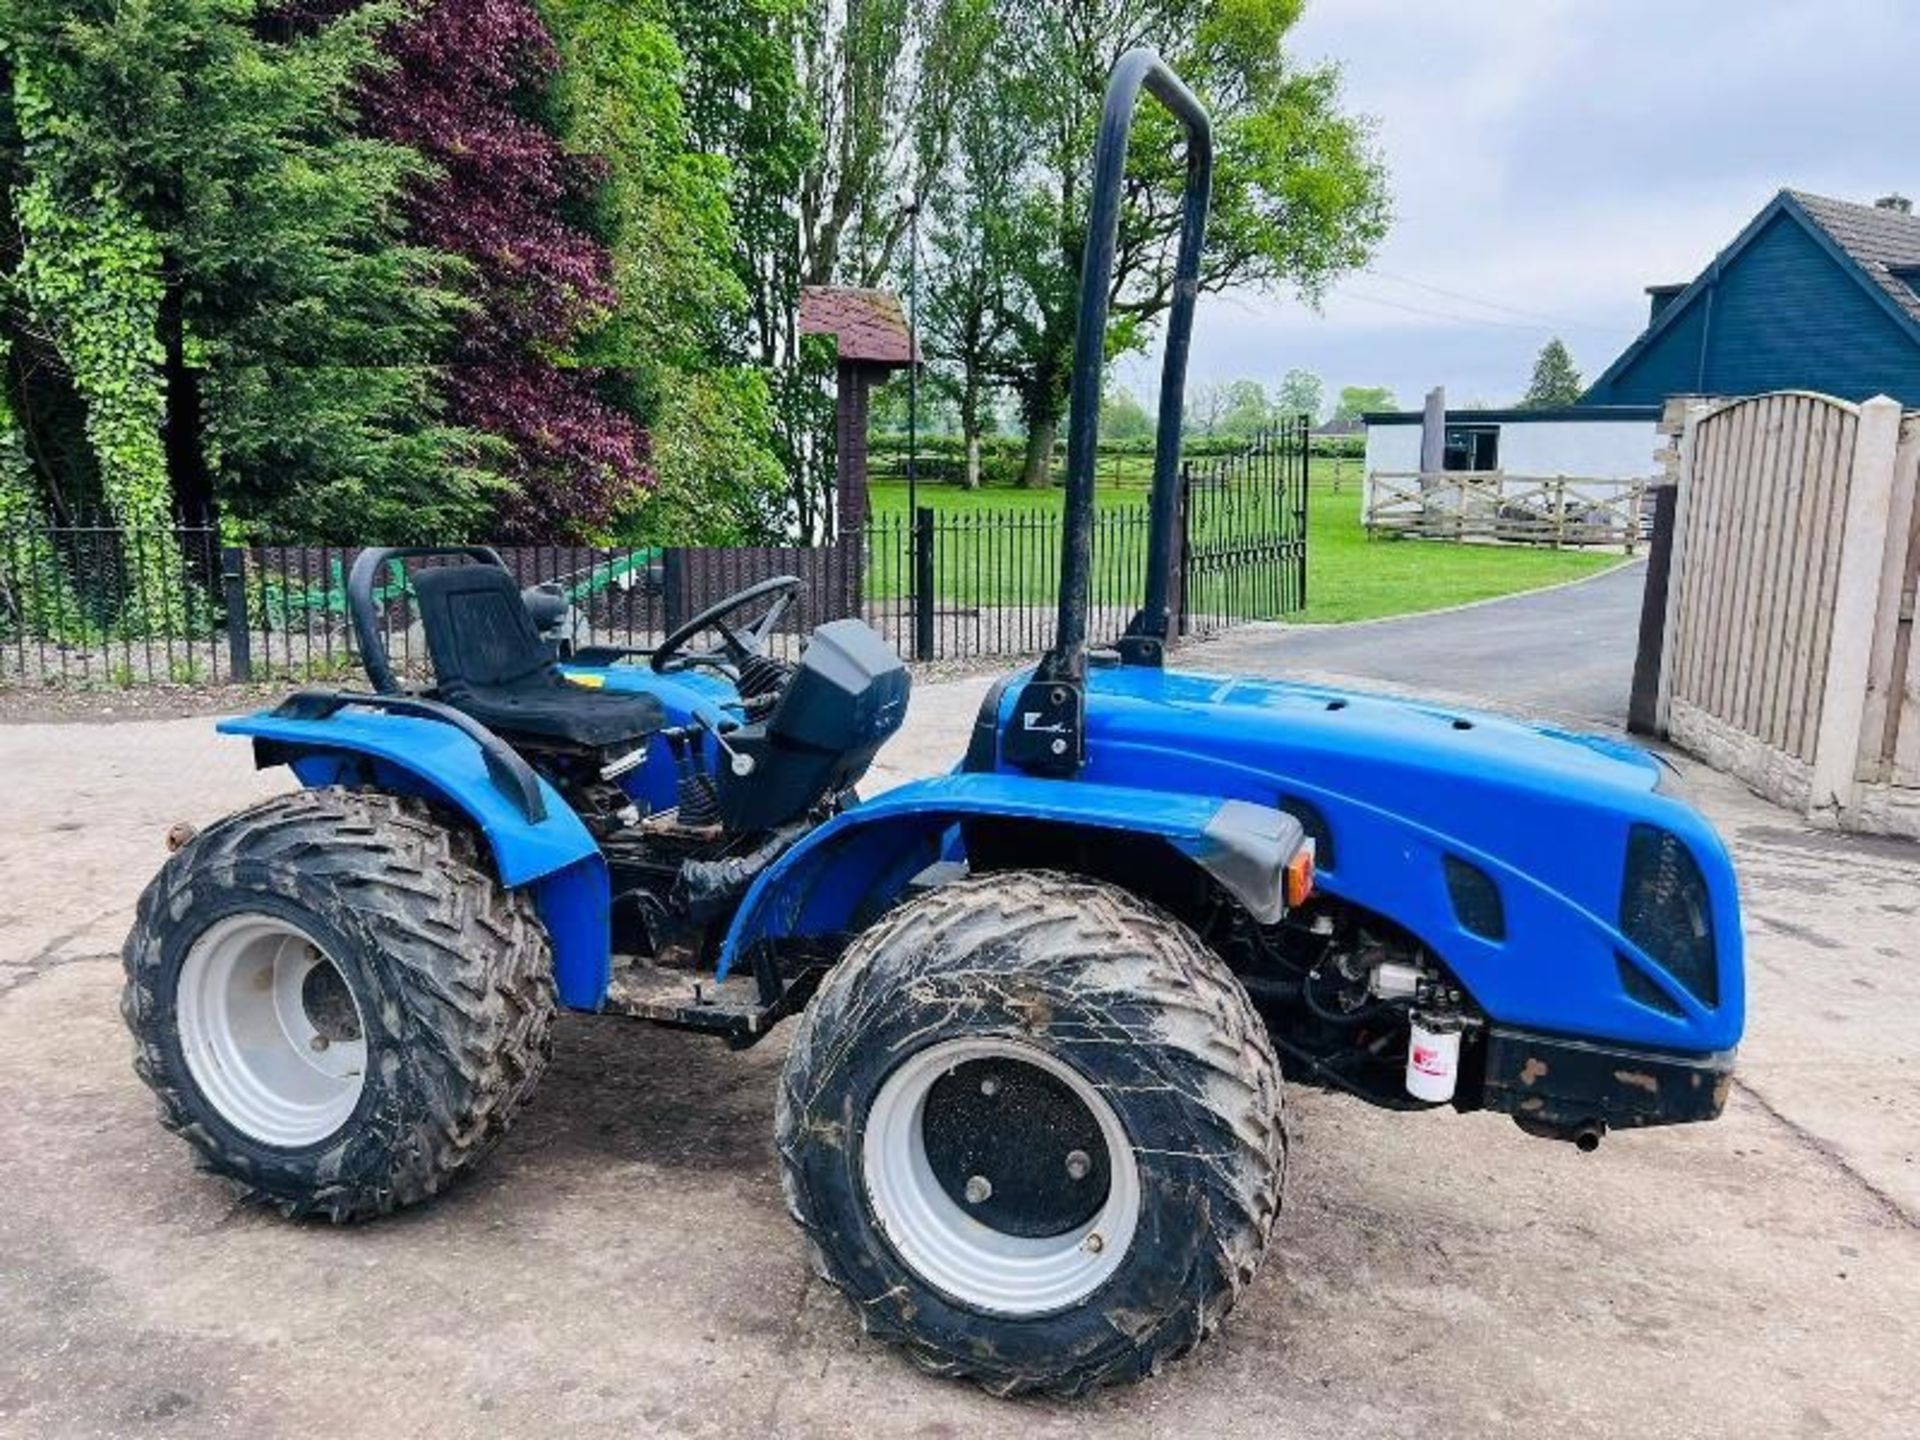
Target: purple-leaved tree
(466, 77)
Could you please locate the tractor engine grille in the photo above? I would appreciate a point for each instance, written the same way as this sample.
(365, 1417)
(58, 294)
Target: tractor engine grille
(1664, 909)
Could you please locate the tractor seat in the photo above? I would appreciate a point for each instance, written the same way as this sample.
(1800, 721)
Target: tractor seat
(491, 663)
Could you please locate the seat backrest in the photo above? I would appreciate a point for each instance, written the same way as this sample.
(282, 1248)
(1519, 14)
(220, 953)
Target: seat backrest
(478, 630)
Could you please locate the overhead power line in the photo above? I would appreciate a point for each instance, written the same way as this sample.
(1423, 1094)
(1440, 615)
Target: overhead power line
(1503, 307)
(1454, 315)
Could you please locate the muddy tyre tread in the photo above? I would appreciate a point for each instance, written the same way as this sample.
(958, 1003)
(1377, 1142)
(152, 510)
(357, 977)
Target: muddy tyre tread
(1208, 1037)
(468, 998)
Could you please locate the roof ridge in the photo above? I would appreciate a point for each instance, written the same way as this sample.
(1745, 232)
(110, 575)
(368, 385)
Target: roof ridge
(1882, 244)
(1855, 209)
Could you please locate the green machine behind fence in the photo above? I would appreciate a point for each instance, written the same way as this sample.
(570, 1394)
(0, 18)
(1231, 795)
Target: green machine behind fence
(296, 606)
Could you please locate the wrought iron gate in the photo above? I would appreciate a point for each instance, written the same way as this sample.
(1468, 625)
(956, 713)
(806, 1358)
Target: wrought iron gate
(1243, 549)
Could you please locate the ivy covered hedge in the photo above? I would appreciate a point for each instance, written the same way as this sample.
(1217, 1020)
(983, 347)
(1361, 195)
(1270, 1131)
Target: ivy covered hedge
(370, 269)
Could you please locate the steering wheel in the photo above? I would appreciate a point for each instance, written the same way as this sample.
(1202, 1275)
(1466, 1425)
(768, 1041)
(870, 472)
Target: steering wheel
(736, 647)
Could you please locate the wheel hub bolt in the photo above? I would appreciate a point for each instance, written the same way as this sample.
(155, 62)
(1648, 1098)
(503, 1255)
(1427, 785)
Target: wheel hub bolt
(1078, 1165)
(1094, 1243)
(990, 1086)
(318, 1042)
(979, 1189)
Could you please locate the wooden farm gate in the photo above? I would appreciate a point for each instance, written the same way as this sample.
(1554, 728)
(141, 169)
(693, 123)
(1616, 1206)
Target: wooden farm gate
(1554, 510)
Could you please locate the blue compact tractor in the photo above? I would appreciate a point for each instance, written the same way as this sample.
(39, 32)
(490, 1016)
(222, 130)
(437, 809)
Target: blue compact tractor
(1030, 1118)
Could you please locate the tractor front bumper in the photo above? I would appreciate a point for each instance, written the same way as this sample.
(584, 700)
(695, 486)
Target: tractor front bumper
(1577, 1090)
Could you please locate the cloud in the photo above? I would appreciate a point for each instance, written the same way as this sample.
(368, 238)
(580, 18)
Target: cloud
(1554, 158)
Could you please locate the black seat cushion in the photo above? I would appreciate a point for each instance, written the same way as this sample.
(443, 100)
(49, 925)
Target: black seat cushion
(491, 663)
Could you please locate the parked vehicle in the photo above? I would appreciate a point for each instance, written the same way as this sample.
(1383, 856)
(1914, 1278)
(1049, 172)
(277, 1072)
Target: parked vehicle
(1030, 1120)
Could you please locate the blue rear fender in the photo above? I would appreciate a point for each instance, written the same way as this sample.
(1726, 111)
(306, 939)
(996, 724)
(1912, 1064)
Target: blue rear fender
(842, 875)
(555, 856)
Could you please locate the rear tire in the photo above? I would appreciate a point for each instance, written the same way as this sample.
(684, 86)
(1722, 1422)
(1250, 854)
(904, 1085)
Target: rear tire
(957, 1047)
(336, 1003)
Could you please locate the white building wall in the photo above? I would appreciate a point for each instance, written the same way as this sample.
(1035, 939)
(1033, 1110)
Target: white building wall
(1598, 449)
(1595, 449)
(1577, 449)
(1393, 448)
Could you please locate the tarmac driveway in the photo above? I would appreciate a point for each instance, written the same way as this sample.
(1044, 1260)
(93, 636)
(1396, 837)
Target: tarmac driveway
(1568, 650)
(623, 1263)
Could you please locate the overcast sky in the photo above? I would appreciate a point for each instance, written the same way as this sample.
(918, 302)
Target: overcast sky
(1553, 158)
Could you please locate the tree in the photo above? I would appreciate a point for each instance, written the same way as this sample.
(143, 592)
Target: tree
(1298, 197)
(1206, 406)
(467, 88)
(835, 119)
(744, 103)
(717, 482)
(1555, 380)
(1358, 400)
(659, 206)
(885, 81)
(669, 344)
(210, 293)
(1300, 392)
(1123, 417)
(969, 256)
(1246, 411)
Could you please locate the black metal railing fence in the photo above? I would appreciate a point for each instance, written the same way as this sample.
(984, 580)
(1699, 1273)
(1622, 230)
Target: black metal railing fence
(102, 605)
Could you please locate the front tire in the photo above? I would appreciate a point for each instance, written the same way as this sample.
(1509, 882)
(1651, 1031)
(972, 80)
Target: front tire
(1031, 1127)
(335, 1003)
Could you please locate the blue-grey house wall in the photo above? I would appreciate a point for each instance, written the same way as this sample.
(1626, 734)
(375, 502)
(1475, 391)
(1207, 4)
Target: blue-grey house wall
(1783, 311)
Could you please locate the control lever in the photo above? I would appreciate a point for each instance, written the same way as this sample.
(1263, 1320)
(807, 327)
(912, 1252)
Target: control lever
(716, 724)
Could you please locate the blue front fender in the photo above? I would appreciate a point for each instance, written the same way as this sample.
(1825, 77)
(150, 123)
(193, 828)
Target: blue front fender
(840, 876)
(556, 856)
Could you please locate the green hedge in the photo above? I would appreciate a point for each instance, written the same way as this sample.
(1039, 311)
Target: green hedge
(942, 460)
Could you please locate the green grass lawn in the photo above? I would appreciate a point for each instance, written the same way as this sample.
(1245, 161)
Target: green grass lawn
(1349, 577)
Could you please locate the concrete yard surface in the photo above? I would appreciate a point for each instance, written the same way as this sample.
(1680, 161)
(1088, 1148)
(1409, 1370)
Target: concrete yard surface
(624, 1265)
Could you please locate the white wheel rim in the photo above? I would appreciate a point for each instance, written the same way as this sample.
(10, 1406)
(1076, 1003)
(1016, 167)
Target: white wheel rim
(981, 1267)
(270, 1030)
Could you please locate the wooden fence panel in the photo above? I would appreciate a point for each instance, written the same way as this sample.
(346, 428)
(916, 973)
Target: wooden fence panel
(1769, 483)
(1787, 653)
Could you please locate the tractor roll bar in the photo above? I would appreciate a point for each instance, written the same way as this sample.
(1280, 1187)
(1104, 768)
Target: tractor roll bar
(1146, 636)
(366, 621)
(1047, 734)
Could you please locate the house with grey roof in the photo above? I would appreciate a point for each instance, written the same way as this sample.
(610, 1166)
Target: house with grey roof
(1814, 294)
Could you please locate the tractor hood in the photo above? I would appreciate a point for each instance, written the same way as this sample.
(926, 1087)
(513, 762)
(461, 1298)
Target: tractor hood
(1404, 797)
(1316, 730)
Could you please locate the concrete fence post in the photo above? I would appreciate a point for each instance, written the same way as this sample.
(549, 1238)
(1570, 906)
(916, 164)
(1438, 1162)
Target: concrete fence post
(1891, 660)
(1676, 568)
(1863, 546)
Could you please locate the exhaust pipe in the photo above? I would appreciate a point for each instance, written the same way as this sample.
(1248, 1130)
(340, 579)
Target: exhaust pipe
(1584, 1136)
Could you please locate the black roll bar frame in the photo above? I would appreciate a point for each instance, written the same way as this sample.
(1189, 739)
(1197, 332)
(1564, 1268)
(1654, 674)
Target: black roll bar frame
(1048, 733)
(366, 620)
